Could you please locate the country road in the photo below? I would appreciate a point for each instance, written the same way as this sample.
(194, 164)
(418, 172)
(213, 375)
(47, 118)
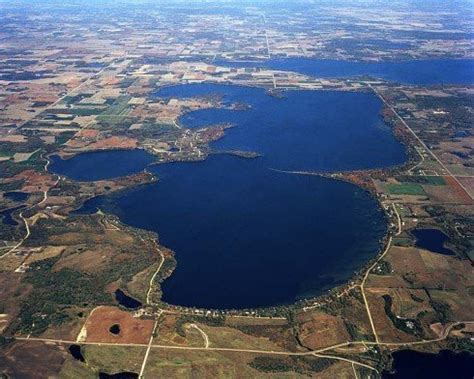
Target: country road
(254, 351)
(418, 139)
(203, 334)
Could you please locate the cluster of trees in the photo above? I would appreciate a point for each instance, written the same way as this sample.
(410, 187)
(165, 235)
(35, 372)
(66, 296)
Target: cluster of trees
(299, 364)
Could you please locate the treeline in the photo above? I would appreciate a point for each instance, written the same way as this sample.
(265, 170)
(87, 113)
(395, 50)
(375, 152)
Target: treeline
(299, 364)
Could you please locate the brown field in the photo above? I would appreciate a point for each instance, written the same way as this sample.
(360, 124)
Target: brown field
(198, 364)
(428, 269)
(354, 310)
(404, 305)
(462, 194)
(132, 330)
(45, 253)
(33, 181)
(446, 194)
(243, 320)
(87, 133)
(461, 304)
(15, 138)
(27, 360)
(339, 370)
(385, 281)
(278, 331)
(86, 260)
(468, 183)
(211, 364)
(166, 333)
(446, 271)
(93, 236)
(318, 329)
(384, 326)
(114, 143)
(12, 261)
(405, 260)
(231, 337)
(59, 200)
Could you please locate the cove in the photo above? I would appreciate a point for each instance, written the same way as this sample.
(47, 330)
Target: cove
(416, 72)
(101, 165)
(247, 235)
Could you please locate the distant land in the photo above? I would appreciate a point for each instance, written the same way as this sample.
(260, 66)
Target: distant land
(236, 189)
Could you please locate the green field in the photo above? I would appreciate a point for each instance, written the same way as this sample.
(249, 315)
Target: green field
(435, 180)
(406, 189)
(429, 180)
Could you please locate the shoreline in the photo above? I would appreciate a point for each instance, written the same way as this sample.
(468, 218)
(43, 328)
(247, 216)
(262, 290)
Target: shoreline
(327, 294)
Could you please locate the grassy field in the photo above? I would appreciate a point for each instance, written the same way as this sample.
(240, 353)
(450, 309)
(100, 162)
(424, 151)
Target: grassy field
(114, 359)
(428, 180)
(406, 189)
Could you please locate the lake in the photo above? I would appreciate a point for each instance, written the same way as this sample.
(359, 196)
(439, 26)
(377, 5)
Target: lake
(126, 301)
(244, 234)
(416, 72)
(6, 216)
(16, 195)
(304, 130)
(100, 165)
(409, 364)
(432, 240)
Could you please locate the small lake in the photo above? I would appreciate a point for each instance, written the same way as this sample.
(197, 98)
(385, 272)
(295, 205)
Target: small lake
(409, 364)
(16, 195)
(119, 375)
(6, 216)
(76, 352)
(244, 234)
(126, 301)
(432, 240)
(416, 72)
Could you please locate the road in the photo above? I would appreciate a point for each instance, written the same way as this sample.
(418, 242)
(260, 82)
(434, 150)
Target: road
(316, 353)
(419, 139)
(203, 334)
(387, 248)
(353, 362)
(27, 235)
(58, 178)
(355, 372)
(69, 93)
(399, 219)
(255, 351)
(45, 193)
(145, 359)
(150, 288)
(25, 221)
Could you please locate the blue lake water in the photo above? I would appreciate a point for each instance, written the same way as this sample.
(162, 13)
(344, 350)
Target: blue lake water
(417, 72)
(16, 195)
(126, 301)
(409, 364)
(245, 235)
(304, 130)
(101, 164)
(432, 240)
(6, 215)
